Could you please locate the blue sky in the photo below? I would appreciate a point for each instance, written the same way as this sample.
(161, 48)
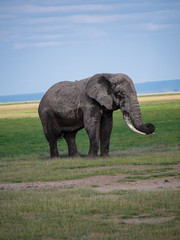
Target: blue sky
(46, 41)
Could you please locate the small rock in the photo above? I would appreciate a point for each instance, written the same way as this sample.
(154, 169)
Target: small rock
(165, 181)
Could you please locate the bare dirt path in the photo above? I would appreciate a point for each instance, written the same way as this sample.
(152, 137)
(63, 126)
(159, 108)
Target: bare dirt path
(99, 183)
(107, 183)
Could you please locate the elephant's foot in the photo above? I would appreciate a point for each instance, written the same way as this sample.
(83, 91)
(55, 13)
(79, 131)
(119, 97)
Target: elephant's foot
(74, 155)
(55, 155)
(104, 155)
(54, 150)
(92, 155)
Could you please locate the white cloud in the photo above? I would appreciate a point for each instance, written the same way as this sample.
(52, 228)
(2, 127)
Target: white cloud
(83, 18)
(155, 27)
(106, 18)
(65, 7)
(36, 44)
(7, 16)
(93, 18)
(44, 37)
(42, 26)
(22, 45)
(33, 9)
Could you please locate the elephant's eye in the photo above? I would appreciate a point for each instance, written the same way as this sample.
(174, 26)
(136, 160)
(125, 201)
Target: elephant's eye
(121, 94)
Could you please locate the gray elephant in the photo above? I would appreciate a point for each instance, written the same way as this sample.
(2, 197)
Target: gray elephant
(68, 107)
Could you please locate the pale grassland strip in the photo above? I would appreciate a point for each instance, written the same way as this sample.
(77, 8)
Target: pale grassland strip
(31, 109)
(159, 98)
(19, 110)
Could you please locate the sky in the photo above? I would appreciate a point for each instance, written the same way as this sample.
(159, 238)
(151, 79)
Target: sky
(47, 41)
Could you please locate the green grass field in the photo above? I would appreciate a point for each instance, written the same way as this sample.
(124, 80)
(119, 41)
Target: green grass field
(100, 198)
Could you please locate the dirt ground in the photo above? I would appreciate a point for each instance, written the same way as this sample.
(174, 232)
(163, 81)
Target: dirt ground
(104, 183)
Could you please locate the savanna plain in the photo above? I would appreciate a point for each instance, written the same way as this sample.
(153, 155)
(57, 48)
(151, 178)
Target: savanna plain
(134, 194)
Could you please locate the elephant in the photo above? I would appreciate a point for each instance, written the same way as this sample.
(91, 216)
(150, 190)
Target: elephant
(89, 103)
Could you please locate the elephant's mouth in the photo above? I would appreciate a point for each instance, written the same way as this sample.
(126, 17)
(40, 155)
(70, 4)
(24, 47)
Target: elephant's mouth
(147, 128)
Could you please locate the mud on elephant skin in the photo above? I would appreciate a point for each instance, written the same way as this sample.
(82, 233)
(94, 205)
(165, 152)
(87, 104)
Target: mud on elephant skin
(68, 107)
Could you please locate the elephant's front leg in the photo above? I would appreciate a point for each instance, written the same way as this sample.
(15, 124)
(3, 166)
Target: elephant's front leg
(92, 125)
(105, 133)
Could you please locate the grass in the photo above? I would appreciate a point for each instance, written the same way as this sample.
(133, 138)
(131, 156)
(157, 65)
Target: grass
(79, 213)
(159, 98)
(165, 116)
(30, 170)
(19, 110)
(139, 177)
(88, 215)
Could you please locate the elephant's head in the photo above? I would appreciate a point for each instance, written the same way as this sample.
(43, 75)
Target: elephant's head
(116, 91)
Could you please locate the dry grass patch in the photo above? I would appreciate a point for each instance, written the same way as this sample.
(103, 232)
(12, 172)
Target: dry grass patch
(29, 109)
(148, 220)
(19, 110)
(159, 98)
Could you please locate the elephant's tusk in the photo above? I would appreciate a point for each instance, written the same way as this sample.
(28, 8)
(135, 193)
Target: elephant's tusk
(126, 119)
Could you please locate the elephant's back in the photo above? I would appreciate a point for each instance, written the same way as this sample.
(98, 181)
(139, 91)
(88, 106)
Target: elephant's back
(64, 96)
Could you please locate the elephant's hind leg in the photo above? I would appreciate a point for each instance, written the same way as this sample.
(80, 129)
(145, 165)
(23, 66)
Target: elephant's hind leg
(51, 135)
(53, 148)
(52, 139)
(71, 142)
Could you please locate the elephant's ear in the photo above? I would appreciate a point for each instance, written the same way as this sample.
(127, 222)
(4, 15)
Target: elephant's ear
(99, 88)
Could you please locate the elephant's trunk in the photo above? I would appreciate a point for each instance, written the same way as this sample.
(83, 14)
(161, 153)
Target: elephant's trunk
(136, 119)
